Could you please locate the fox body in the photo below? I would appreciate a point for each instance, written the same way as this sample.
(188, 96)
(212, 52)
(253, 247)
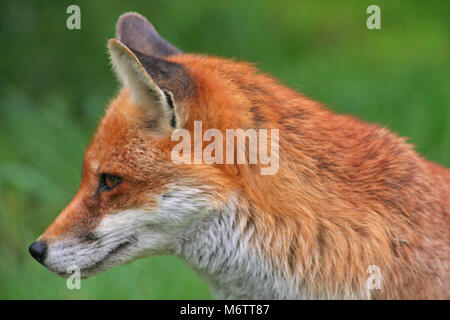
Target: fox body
(348, 195)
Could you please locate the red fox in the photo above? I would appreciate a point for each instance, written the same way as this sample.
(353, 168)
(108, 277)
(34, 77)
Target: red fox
(347, 197)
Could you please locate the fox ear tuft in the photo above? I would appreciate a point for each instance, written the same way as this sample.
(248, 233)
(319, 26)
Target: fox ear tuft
(137, 33)
(154, 84)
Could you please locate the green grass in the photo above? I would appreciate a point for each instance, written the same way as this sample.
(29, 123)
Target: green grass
(55, 84)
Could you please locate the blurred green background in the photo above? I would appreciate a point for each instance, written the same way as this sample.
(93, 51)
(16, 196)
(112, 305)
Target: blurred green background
(55, 84)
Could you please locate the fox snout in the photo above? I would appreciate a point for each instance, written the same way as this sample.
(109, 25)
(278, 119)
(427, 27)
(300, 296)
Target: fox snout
(90, 253)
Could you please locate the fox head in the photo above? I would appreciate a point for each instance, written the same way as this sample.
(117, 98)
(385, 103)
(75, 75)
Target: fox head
(133, 200)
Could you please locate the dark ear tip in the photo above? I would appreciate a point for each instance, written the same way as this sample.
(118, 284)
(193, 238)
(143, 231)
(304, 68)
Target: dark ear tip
(138, 34)
(132, 19)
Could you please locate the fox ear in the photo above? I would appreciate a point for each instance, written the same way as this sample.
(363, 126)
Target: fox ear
(157, 86)
(137, 33)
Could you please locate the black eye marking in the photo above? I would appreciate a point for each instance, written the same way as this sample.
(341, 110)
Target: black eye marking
(108, 182)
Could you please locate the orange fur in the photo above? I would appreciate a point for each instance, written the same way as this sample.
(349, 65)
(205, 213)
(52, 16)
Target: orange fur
(347, 195)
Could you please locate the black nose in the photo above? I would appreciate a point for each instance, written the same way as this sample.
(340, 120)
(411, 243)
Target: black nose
(38, 250)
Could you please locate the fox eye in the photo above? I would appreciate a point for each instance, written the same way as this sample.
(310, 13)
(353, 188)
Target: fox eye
(109, 182)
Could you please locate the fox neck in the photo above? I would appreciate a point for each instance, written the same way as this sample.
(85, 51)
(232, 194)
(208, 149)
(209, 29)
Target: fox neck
(222, 254)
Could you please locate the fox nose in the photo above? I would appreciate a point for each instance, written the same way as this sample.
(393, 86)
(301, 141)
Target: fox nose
(38, 250)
